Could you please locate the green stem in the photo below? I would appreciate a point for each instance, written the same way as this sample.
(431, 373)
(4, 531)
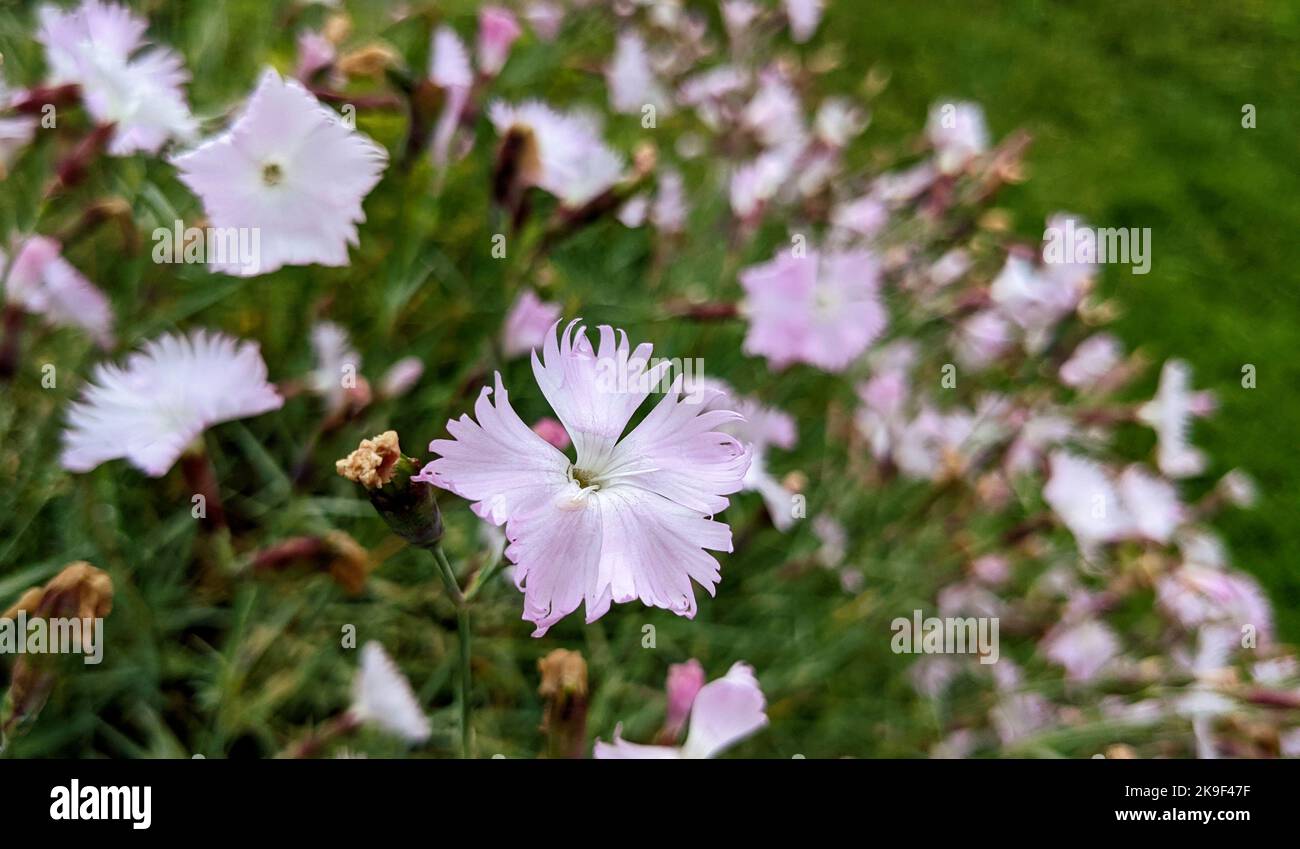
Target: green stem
(462, 626)
(483, 577)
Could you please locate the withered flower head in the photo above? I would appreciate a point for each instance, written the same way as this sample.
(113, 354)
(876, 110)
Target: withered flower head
(369, 61)
(79, 591)
(564, 687)
(374, 462)
(408, 506)
(563, 672)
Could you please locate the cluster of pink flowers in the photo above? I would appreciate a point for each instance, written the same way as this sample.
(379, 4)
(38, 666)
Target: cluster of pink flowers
(615, 501)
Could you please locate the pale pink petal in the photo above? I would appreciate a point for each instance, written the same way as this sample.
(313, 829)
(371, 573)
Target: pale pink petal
(725, 712)
(150, 409)
(497, 462)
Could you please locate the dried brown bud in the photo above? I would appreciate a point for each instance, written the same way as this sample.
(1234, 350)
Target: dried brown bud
(407, 505)
(564, 687)
(338, 27)
(373, 463)
(369, 61)
(80, 591)
(351, 564)
(564, 673)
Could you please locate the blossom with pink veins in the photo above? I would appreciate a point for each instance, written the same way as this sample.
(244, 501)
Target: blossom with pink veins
(1170, 415)
(137, 87)
(724, 712)
(823, 308)
(150, 409)
(289, 170)
(630, 517)
(566, 155)
(497, 31)
(42, 282)
(528, 324)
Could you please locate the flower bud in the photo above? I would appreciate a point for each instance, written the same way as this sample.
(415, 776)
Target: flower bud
(564, 687)
(684, 683)
(408, 506)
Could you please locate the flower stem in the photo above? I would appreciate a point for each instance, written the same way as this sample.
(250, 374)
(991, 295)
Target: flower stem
(466, 733)
(463, 628)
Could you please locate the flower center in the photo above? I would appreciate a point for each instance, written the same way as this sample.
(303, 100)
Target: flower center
(272, 174)
(584, 478)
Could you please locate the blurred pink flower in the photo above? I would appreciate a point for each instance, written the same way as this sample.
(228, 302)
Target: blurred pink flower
(631, 81)
(338, 365)
(126, 82)
(1151, 503)
(958, 134)
(759, 428)
(571, 160)
(823, 308)
(684, 683)
(553, 432)
(804, 16)
(167, 394)
(668, 212)
(1170, 415)
(724, 712)
(545, 18)
(1081, 493)
(630, 517)
(381, 695)
(1033, 299)
(15, 134)
(289, 170)
(528, 324)
(41, 281)
(981, 339)
(1092, 360)
(315, 53)
(400, 377)
(497, 31)
(1083, 649)
(1201, 595)
(450, 70)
